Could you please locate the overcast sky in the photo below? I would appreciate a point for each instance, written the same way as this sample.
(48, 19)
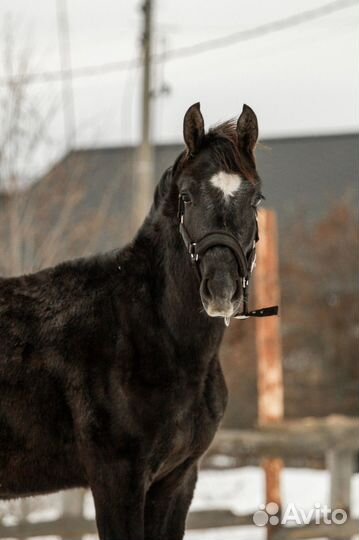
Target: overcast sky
(299, 81)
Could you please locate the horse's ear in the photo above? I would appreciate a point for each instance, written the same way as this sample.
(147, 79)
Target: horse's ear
(193, 128)
(247, 130)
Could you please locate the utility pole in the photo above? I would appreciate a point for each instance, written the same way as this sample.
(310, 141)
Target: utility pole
(146, 84)
(143, 183)
(68, 103)
(269, 351)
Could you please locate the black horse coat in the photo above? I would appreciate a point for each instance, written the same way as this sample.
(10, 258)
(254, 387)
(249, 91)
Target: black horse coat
(109, 378)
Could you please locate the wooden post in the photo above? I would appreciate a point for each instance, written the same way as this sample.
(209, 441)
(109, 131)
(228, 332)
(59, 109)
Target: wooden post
(269, 346)
(341, 465)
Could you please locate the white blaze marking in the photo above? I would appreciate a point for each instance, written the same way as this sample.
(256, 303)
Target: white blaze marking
(227, 183)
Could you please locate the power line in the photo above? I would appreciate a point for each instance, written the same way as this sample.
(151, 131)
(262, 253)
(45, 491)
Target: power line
(261, 30)
(190, 50)
(77, 73)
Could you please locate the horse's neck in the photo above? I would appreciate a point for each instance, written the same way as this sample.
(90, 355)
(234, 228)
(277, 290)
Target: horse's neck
(178, 287)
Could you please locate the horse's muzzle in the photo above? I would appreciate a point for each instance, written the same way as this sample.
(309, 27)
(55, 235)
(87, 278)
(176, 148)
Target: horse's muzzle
(221, 295)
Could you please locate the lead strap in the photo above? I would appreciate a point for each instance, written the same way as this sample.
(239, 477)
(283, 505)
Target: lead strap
(263, 312)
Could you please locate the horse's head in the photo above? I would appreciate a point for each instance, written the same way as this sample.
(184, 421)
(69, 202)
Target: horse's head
(219, 189)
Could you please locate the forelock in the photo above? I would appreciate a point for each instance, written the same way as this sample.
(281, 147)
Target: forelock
(223, 145)
(222, 140)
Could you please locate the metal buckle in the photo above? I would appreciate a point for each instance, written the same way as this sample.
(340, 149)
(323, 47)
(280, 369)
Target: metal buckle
(192, 252)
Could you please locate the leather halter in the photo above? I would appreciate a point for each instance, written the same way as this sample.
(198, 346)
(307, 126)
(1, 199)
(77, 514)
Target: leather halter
(246, 264)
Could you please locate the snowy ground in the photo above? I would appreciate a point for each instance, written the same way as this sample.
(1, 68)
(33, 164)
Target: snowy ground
(242, 491)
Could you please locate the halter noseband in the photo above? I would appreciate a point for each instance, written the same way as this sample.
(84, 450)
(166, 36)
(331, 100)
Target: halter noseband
(245, 263)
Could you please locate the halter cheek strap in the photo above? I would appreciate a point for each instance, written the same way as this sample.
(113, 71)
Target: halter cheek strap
(246, 265)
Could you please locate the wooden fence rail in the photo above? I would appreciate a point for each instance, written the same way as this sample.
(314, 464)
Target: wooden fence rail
(290, 438)
(76, 527)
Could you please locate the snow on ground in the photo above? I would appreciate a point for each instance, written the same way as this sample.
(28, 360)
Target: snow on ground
(242, 491)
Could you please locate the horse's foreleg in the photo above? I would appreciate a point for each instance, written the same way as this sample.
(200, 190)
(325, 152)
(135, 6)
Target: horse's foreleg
(118, 493)
(167, 504)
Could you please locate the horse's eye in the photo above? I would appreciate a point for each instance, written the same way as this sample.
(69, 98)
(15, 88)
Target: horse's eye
(259, 198)
(186, 198)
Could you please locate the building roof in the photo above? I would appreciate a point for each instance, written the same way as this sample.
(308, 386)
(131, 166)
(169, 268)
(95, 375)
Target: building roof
(301, 176)
(307, 171)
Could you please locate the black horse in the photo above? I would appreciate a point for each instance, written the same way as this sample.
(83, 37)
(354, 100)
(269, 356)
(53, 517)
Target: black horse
(109, 371)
